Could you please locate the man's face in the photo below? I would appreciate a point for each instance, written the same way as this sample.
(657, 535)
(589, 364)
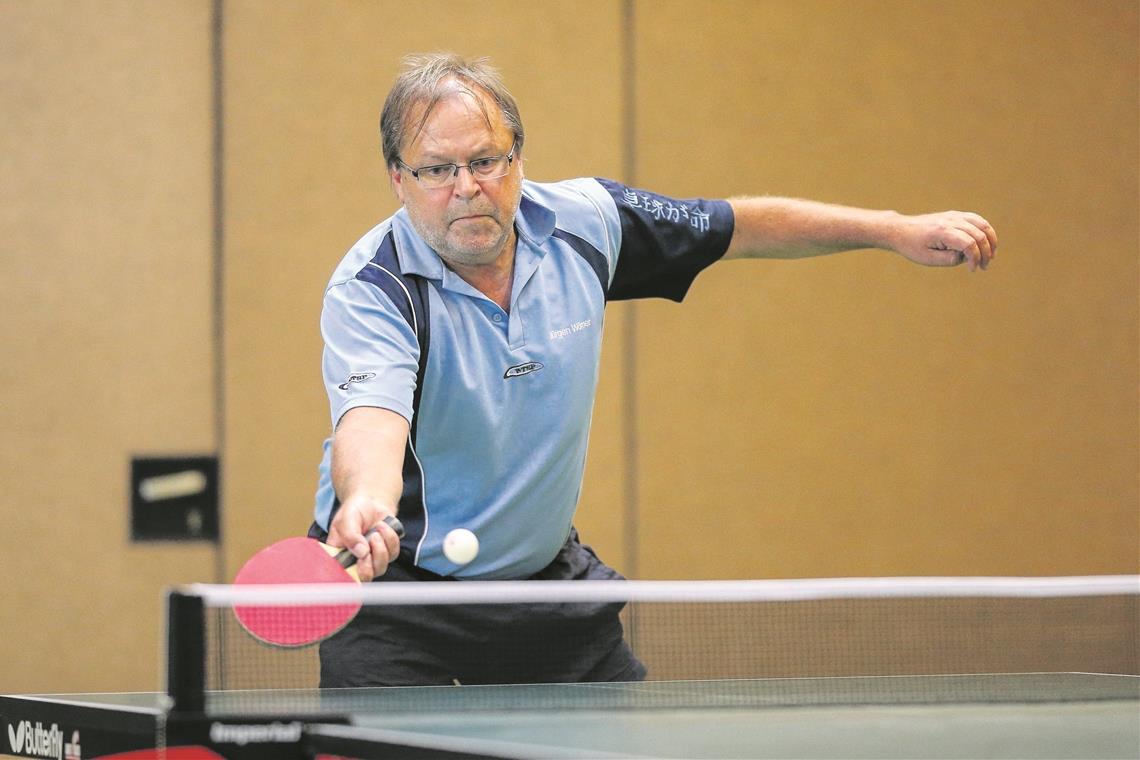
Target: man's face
(469, 223)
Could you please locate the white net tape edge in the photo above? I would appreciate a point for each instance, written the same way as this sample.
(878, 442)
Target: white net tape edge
(531, 592)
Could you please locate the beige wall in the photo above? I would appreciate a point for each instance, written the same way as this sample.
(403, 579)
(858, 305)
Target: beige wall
(106, 307)
(848, 416)
(859, 415)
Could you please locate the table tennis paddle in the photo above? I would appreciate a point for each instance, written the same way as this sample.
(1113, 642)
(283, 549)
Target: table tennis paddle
(299, 560)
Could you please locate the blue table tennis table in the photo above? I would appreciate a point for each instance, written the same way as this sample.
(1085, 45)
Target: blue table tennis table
(1026, 715)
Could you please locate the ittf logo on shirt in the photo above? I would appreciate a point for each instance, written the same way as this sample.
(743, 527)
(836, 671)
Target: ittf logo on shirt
(521, 369)
(356, 377)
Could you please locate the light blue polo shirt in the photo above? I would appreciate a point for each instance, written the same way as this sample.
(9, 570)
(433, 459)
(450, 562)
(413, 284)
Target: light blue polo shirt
(503, 415)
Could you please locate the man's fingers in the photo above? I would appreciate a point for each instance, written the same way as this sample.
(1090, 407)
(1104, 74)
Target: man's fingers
(372, 536)
(347, 537)
(956, 237)
(984, 238)
(987, 230)
(381, 554)
(985, 244)
(378, 547)
(957, 247)
(359, 546)
(347, 532)
(975, 249)
(392, 531)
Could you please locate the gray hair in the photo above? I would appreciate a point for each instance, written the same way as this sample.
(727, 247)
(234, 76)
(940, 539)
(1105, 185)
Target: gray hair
(423, 81)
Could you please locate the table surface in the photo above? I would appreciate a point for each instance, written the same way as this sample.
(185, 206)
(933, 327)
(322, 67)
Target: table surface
(992, 716)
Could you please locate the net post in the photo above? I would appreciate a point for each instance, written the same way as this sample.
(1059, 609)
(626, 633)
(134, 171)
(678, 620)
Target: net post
(185, 651)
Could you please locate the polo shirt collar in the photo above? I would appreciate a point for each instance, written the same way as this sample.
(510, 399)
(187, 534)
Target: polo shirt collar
(534, 221)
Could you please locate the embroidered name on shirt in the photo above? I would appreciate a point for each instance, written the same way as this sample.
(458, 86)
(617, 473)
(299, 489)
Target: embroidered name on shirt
(576, 327)
(659, 210)
(521, 369)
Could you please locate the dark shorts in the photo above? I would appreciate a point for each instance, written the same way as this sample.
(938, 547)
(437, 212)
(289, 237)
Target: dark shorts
(485, 643)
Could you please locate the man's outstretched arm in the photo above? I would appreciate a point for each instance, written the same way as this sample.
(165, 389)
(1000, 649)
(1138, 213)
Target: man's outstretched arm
(789, 228)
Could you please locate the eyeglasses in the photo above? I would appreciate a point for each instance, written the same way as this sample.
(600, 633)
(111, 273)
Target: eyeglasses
(444, 175)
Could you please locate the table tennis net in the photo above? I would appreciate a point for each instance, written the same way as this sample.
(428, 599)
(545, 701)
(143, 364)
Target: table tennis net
(851, 631)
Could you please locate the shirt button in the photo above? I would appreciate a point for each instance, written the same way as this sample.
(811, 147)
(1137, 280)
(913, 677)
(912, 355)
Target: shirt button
(496, 317)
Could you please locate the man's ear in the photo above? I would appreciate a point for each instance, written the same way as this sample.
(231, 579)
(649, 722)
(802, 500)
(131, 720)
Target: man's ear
(397, 178)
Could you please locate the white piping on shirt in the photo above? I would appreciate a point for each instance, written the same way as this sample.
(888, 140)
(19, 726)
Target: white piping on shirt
(415, 456)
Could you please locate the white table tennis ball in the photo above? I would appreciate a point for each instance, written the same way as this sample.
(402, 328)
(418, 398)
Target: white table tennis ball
(460, 546)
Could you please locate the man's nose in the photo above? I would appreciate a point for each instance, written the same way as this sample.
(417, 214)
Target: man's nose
(466, 185)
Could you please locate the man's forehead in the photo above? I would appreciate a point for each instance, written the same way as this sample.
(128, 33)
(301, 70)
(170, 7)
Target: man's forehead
(427, 117)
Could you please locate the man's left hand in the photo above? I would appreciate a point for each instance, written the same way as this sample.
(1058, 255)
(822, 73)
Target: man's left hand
(946, 239)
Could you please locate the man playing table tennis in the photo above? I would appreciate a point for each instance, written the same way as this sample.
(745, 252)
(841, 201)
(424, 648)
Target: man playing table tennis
(462, 339)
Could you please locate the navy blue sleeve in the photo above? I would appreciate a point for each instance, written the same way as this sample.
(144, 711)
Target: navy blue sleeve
(665, 242)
